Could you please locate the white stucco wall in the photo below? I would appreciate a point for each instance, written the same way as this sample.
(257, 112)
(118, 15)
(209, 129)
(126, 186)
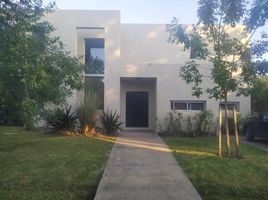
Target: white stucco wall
(134, 50)
(66, 23)
(146, 53)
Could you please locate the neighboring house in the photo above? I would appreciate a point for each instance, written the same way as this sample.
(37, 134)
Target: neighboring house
(136, 70)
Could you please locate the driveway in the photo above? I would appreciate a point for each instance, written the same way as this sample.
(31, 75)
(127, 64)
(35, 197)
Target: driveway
(259, 143)
(142, 167)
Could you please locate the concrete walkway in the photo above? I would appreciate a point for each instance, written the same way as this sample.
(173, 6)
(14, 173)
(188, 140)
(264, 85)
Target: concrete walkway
(258, 143)
(141, 167)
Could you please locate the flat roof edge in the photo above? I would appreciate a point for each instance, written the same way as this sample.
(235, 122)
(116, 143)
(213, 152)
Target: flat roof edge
(85, 10)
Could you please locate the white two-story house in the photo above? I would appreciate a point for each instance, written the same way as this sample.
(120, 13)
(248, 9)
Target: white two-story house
(138, 70)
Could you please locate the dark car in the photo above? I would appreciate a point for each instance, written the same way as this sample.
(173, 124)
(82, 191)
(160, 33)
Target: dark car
(256, 127)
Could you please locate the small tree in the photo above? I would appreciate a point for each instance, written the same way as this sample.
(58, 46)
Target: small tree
(219, 38)
(34, 67)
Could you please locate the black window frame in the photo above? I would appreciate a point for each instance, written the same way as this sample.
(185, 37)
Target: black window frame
(94, 43)
(230, 103)
(188, 104)
(97, 79)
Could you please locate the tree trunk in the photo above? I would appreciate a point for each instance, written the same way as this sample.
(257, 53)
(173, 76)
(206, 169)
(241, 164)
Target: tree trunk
(219, 132)
(236, 133)
(227, 127)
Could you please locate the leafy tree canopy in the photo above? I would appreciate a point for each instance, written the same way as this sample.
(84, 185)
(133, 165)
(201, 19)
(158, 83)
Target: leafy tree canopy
(261, 68)
(258, 14)
(259, 96)
(35, 68)
(222, 36)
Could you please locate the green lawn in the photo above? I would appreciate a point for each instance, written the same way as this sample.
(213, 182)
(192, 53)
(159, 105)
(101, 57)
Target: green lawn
(34, 165)
(222, 178)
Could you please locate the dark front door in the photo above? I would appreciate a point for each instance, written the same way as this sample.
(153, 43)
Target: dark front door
(137, 109)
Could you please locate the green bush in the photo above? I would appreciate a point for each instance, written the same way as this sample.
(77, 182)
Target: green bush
(189, 127)
(177, 124)
(172, 124)
(10, 114)
(109, 123)
(30, 110)
(60, 120)
(203, 123)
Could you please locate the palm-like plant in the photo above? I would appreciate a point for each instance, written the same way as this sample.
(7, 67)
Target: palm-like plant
(61, 119)
(109, 123)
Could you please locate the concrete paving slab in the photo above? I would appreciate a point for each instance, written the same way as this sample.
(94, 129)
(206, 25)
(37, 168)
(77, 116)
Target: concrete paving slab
(142, 167)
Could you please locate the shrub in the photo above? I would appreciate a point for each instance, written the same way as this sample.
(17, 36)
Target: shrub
(176, 124)
(174, 121)
(60, 119)
(189, 127)
(10, 115)
(30, 110)
(109, 123)
(172, 124)
(203, 123)
(160, 127)
(87, 112)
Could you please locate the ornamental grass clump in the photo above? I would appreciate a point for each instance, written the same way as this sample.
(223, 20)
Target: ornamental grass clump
(87, 113)
(60, 120)
(109, 123)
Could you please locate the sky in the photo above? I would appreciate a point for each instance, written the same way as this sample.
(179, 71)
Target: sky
(144, 11)
(139, 11)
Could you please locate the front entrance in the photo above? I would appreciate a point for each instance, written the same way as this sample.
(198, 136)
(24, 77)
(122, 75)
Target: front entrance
(137, 108)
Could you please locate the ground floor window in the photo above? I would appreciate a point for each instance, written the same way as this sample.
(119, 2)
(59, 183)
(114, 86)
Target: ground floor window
(187, 105)
(230, 105)
(96, 85)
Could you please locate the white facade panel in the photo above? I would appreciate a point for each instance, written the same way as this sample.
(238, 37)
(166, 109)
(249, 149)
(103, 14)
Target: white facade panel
(134, 50)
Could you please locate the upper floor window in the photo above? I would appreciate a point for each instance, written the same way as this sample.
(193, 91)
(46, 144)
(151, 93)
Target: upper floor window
(94, 69)
(230, 105)
(187, 105)
(94, 56)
